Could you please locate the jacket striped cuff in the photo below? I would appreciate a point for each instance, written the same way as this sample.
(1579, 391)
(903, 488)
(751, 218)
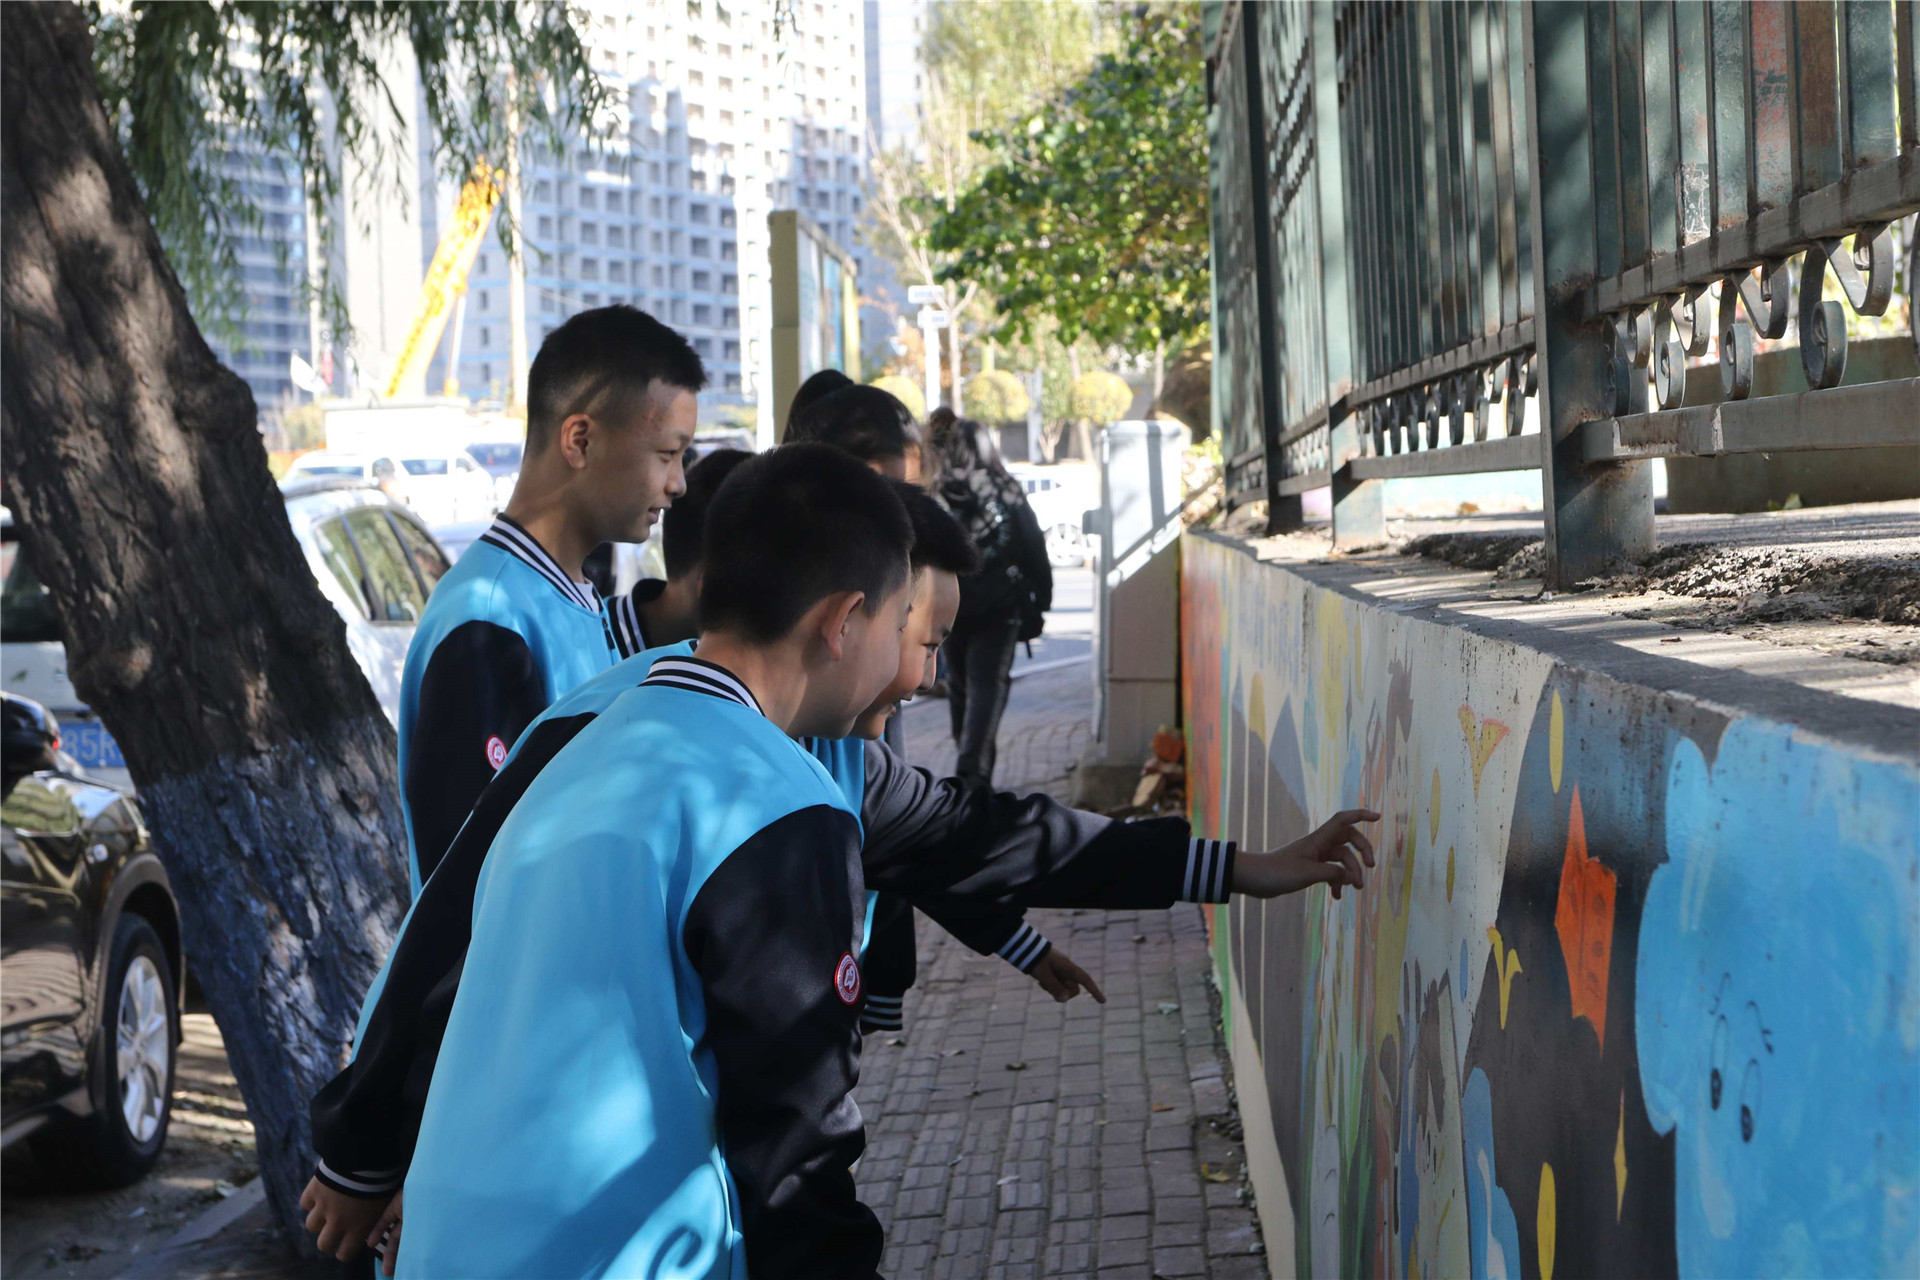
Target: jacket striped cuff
(1024, 949)
(1209, 875)
(883, 1013)
(367, 1186)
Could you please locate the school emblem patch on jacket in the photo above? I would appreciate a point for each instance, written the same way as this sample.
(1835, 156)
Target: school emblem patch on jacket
(846, 979)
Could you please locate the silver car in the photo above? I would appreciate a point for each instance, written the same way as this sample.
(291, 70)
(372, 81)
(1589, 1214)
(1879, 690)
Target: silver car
(374, 560)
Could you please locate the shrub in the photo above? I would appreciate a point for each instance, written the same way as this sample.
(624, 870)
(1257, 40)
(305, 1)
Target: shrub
(1100, 396)
(905, 390)
(997, 396)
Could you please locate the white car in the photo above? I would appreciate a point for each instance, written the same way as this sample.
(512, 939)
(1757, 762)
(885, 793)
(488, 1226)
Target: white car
(374, 561)
(500, 459)
(447, 488)
(1059, 497)
(383, 470)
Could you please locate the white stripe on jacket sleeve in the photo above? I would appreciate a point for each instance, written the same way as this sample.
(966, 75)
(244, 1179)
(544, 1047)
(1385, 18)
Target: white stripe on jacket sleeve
(1024, 949)
(1208, 875)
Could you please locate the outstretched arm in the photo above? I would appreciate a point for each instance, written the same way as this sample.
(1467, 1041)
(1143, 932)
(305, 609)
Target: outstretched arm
(941, 844)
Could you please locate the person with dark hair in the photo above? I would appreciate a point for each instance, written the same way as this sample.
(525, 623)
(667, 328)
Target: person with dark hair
(669, 923)
(823, 383)
(669, 610)
(1001, 605)
(942, 555)
(877, 428)
(515, 624)
(867, 422)
(971, 858)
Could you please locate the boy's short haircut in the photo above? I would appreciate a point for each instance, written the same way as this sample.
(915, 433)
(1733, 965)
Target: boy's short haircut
(939, 540)
(682, 527)
(866, 422)
(602, 358)
(793, 526)
(818, 387)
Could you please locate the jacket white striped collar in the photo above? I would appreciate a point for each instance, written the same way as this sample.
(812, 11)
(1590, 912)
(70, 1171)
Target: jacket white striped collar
(507, 535)
(701, 677)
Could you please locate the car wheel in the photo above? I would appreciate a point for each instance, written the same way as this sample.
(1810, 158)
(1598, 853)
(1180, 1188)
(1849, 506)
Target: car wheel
(132, 1068)
(1066, 547)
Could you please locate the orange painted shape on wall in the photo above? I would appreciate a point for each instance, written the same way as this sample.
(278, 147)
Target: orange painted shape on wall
(1584, 920)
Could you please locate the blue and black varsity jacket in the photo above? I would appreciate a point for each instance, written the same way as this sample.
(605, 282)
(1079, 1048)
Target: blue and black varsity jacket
(649, 1066)
(506, 632)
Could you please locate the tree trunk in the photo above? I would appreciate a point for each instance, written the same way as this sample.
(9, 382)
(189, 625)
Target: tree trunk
(191, 618)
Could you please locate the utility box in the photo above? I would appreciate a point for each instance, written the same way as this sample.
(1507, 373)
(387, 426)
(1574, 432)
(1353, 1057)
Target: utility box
(1137, 594)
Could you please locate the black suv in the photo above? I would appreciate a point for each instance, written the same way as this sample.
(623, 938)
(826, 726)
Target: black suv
(90, 965)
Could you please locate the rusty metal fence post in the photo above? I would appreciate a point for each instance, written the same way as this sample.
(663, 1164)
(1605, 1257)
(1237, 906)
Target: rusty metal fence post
(1596, 515)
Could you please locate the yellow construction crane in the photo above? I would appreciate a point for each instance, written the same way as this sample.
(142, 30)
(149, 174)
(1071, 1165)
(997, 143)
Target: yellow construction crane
(446, 282)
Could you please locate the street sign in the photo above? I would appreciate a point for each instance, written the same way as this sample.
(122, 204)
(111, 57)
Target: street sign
(926, 295)
(933, 318)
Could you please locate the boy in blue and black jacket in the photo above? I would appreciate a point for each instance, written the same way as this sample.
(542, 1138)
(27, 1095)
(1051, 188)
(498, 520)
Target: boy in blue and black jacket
(953, 849)
(515, 624)
(650, 1062)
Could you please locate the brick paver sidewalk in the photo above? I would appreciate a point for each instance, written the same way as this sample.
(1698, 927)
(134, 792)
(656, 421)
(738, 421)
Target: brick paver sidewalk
(1010, 1136)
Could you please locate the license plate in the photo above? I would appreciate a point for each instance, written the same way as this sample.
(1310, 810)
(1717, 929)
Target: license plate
(88, 742)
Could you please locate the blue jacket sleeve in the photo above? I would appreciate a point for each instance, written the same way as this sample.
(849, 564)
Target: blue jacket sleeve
(772, 935)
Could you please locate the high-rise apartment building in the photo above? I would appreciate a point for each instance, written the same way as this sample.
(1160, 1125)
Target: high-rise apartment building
(896, 70)
(375, 258)
(722, 121)
(274, 325)
(896, 77)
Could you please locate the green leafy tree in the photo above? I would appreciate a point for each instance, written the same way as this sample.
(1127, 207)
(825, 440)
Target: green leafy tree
(196, 88)
(1093, 209)
(985, 64)
(133, 461)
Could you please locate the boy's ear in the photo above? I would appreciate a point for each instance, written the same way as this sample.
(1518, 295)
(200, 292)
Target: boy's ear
(834, 621)
(571, 439)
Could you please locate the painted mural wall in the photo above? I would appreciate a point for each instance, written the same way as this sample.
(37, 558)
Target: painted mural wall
(1634, 992)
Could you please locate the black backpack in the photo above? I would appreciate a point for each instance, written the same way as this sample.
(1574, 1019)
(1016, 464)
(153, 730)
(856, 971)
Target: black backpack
(1001, 588)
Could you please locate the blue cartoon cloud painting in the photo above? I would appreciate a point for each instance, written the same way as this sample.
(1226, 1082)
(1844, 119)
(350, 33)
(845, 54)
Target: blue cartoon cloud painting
(1778, 1016)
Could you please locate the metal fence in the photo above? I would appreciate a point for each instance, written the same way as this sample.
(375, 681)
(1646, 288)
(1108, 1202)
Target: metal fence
(1428, 213)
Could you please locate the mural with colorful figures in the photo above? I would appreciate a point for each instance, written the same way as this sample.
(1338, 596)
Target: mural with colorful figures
(1634, 991)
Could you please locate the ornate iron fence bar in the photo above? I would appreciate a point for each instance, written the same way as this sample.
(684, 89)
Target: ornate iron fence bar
(1293, 486)
(1237, 391)
(1806, 156)
(1884, 192)
(1866, 416)
(1510, 453)
(1718, 175)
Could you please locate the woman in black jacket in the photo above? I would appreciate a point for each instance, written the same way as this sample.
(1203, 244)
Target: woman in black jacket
(1002, 604)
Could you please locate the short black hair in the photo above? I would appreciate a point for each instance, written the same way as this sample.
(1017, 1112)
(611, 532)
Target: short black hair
(599, 358)
(791, 527)
(682, 527)
(867, 422)
(939, 540)
(820, 385)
